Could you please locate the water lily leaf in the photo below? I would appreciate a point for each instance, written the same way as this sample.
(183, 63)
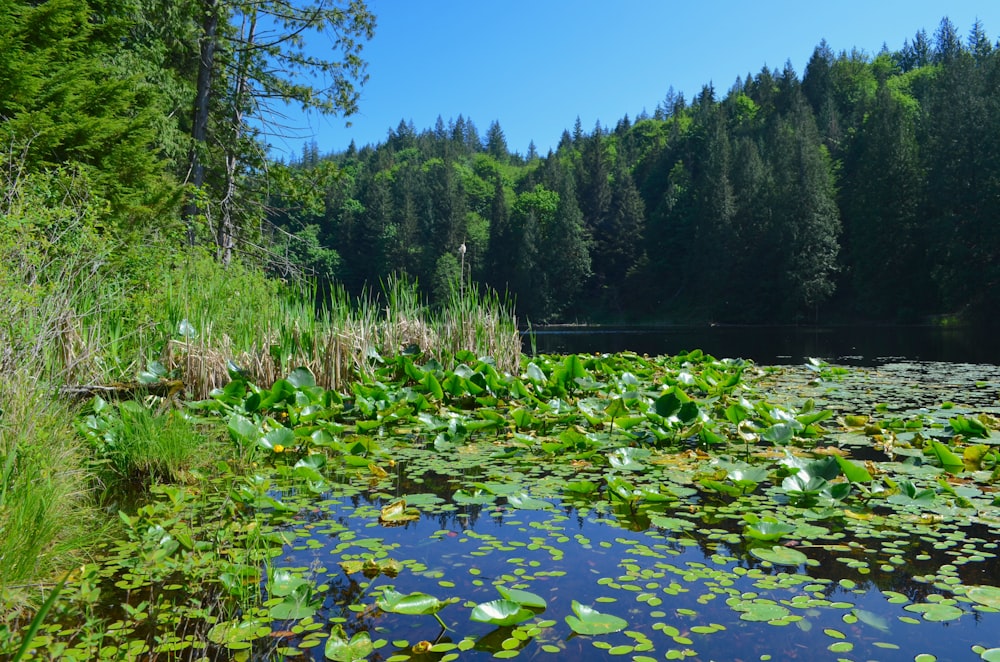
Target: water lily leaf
(341, 649)
(297, 605)
(969, 427)
(767, 529)
(669, 404)
(581, 487)
(242, 429)
(535, 374)
(985, 595)
(628, 459)
(282, 437)
(910, 494)
(761, 611)
(779, 555)
(500, 612)
(283, 582)
(522, 597)
(432, 385)
(301, 377)
(855, 473)
(237, 633)
(524, 502)
(475, 497)
(778, 434)
(414, 604)
(589, 621)
(523, 418)
(397, 513)
(950, 462)
(671, 523)
(936, 611)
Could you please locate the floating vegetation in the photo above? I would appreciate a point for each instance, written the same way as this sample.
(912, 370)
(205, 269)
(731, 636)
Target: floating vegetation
(589, 507)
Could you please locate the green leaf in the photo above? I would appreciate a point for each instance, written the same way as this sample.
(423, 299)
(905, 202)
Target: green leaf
(778, 434)
(767, 529)
(242, 429)
(535, 374)
(415, 604)
(283, 582)
(950, 462)
(340, 649)
(628, 458)
(985, 595)
(523, 502)
(668, 404)
(523, 598)
(301, 377)
(589, 621)
(853, 472)
(278, 437)
(230, 633)
(432, 385)
(500, 612)
(779, 555)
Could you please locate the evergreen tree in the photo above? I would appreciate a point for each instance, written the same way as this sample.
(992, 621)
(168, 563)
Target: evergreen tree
(496, 143)
(883, 240)
(66, 99)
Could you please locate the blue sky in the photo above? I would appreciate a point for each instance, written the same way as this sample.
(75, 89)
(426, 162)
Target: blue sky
(536, 65)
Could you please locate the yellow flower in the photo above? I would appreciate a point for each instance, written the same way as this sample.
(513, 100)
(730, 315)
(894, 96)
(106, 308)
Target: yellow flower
(278, 448)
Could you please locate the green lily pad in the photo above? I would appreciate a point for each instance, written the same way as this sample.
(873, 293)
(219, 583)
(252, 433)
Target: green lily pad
(589, 621)
(936, 611)
(237, 634)
(779, 555)
(762, 611)
(523, 598)
(341, 649)
(985, 595)
(501, 612)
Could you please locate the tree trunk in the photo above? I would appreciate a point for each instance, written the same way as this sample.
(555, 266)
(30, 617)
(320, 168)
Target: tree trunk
(199, 128)
(225, 238)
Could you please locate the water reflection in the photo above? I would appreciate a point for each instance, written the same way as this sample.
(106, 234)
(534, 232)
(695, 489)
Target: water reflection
(780, 345)
(678, 590)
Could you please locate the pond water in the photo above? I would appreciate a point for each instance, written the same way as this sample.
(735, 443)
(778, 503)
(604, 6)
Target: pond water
(779, 345)
(876, 584)
(626, 508)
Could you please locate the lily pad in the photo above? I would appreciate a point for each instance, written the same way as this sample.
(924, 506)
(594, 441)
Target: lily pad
(779, 555)
(936, 611)
(501, 612)
(589, 621)
(341, 649)
(985, 595)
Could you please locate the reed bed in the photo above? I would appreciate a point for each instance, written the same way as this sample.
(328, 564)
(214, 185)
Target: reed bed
(344, 341)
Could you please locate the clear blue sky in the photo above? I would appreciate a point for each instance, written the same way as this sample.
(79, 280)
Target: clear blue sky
(535, 65)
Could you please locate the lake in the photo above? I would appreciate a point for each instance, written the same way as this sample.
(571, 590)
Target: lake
(780, 345)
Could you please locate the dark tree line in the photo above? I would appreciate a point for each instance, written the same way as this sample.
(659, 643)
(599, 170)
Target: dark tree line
(868, 189)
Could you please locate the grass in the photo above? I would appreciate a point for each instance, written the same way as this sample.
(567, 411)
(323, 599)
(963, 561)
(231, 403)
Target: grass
(47, 517)
(84, 308)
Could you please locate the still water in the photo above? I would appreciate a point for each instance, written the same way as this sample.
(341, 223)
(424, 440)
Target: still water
(780, 345)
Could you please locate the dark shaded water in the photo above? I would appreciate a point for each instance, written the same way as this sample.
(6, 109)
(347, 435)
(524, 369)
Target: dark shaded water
(779, 345)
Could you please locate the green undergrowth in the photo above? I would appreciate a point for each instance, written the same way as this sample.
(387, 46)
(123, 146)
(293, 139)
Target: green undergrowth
(89, 303)
(794, 484)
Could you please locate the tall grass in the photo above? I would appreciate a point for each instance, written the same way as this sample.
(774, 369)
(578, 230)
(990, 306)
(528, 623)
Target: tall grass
(46, 513)
(82, 308)
(337, 341)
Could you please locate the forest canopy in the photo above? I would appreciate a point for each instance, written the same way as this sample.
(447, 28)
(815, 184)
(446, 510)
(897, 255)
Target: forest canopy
(865, 189)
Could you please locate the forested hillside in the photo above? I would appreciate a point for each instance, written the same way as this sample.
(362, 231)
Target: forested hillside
(868, 188)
